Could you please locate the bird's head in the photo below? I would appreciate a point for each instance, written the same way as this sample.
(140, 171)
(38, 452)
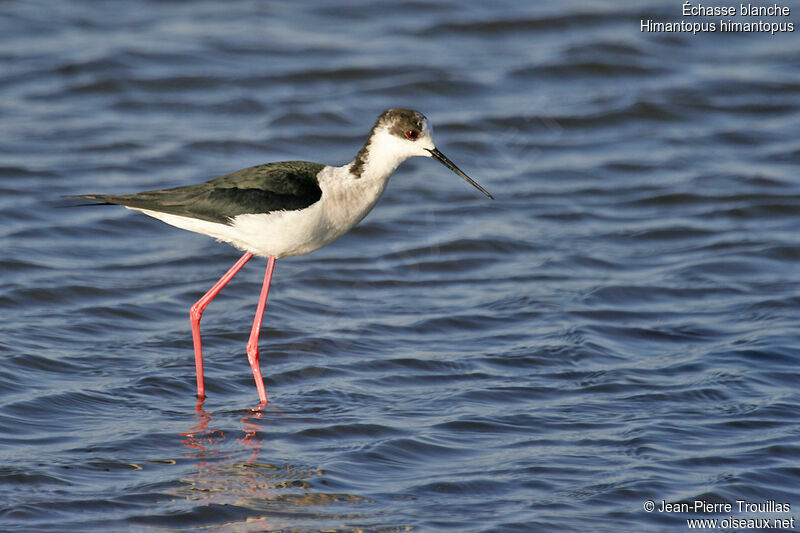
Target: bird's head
(406, 133)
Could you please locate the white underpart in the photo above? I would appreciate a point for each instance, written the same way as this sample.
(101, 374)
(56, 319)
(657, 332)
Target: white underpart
(345, 201)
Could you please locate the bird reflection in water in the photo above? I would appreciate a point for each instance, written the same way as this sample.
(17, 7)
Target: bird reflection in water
(205, 440)
(231, 471)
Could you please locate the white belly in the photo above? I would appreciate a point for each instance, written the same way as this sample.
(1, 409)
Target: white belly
(277, 234)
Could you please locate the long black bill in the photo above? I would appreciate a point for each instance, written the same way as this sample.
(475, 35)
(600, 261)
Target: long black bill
(440, 157)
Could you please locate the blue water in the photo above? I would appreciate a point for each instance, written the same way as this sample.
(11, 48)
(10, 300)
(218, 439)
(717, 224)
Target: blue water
(621, 324)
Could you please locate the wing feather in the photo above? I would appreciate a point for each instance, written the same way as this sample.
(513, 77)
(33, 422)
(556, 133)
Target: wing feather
(287, 185)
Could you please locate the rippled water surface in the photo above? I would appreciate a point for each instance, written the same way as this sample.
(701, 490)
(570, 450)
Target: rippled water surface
(621, 324)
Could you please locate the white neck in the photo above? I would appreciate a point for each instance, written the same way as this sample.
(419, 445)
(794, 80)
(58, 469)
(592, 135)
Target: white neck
(380, 157)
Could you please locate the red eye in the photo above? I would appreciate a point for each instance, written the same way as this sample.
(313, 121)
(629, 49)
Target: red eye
(412, 134)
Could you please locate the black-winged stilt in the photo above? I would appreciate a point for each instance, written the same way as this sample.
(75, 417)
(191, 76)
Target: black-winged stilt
(287, 208)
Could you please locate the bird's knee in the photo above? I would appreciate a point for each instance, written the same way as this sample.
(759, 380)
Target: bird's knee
(252, 353)
(195, 313)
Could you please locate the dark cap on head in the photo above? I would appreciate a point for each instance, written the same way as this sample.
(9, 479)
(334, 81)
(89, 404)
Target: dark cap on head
(400, 120)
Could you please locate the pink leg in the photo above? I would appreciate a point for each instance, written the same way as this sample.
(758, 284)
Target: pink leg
(252, 344)
(197, 312)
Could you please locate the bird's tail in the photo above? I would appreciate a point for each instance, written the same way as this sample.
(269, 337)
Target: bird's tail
(99, 199)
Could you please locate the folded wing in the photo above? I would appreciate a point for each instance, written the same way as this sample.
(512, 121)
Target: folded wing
(286, 185)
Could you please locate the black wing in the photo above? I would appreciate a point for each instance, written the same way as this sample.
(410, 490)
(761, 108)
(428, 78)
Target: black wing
(286, 185)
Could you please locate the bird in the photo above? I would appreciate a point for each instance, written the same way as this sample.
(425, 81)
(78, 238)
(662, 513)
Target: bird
(284, 209)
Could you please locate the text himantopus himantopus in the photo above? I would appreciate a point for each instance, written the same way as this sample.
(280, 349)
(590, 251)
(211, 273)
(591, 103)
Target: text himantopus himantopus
(287, 208)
